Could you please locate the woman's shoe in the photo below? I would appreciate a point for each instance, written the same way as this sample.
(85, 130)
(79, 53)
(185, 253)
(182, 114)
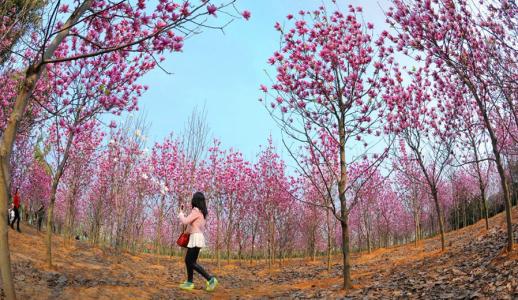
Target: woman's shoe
(187, 286)
(211, 284)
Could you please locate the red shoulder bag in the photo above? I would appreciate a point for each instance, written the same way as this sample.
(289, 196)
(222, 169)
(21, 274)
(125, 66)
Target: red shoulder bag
(183, 240)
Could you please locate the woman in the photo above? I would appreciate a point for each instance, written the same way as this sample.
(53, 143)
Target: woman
(196, 224)
(16, 208)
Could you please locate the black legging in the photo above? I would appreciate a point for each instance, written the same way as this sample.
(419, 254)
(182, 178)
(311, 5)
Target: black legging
(40, 221)
(16, 219)
(190, 263)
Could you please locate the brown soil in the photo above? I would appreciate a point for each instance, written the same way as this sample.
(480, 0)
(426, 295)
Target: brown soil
(474, 265)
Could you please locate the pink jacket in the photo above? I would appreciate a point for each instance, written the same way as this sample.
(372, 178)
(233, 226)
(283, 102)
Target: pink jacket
(195, 220)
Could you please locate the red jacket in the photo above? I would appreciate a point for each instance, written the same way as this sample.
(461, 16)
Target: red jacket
(16, 200)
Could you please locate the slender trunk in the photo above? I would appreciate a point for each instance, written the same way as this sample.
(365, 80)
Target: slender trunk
(328, 221)
(432, 227)
(343, 210)
(359, 238)
(240, 246)
(473, 218)
(346, 253)
(481, 187)
(420, 227)
(96, 223)
(312, 245)
(439, 217)
(274, 240)
(239, 253)
(512, 187)
(252, 252)
(218, 260)
(269, 251)
(229, 231)
(480, 211)
(228, 250)
(70, 216)
(416, 221)
(55, 183)
(368, 240)
(464, 214)
(158, 239)
(50, 214)
(457, 216)
(507, 201)
(272, 237)
(498, 160)
(314, 249)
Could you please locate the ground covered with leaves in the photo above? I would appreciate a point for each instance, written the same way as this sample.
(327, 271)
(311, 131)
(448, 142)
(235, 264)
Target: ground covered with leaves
(473, 266)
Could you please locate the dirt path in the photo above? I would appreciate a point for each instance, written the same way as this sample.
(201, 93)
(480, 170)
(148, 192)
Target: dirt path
(474, 266)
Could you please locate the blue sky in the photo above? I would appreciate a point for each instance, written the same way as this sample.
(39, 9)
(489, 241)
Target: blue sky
(223, 72)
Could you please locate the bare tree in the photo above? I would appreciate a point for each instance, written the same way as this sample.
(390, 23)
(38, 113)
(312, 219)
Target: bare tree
(195, 135)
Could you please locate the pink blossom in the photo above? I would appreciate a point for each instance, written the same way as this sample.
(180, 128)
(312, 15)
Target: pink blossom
(64, 8)
(246, 14)
(211, 9)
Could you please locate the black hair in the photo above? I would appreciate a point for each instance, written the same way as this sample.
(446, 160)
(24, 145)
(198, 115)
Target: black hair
(198, 201)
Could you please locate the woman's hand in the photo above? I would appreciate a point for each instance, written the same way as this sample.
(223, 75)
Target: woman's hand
(181, 209)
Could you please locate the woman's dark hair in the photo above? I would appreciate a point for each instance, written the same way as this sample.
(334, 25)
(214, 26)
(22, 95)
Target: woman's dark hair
(198, 201)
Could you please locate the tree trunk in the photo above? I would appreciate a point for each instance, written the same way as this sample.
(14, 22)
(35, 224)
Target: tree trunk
(274, 241)
(507, 202)
(482, 191)
(70, 216)
(346, 254)
(158, 237)
(498, 160)
(55, 182)
(344, 214)
(252, 252)
(96, 223)
(464, 214)
(228, 250)
(432, 226)
(457, 216)
(229, 231)
(439, 217)
(359, 239)
(253, 243)
(328, 221)
(218, 242)
(6, 147)
(50, 214)
(367, 230)
(314, 250)
(32, 76)
(5, 259)
(416, 221)
(312, 243)
(269, 245)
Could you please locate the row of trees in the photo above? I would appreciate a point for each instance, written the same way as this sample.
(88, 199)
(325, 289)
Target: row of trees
(436, 91)
(120, 194)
